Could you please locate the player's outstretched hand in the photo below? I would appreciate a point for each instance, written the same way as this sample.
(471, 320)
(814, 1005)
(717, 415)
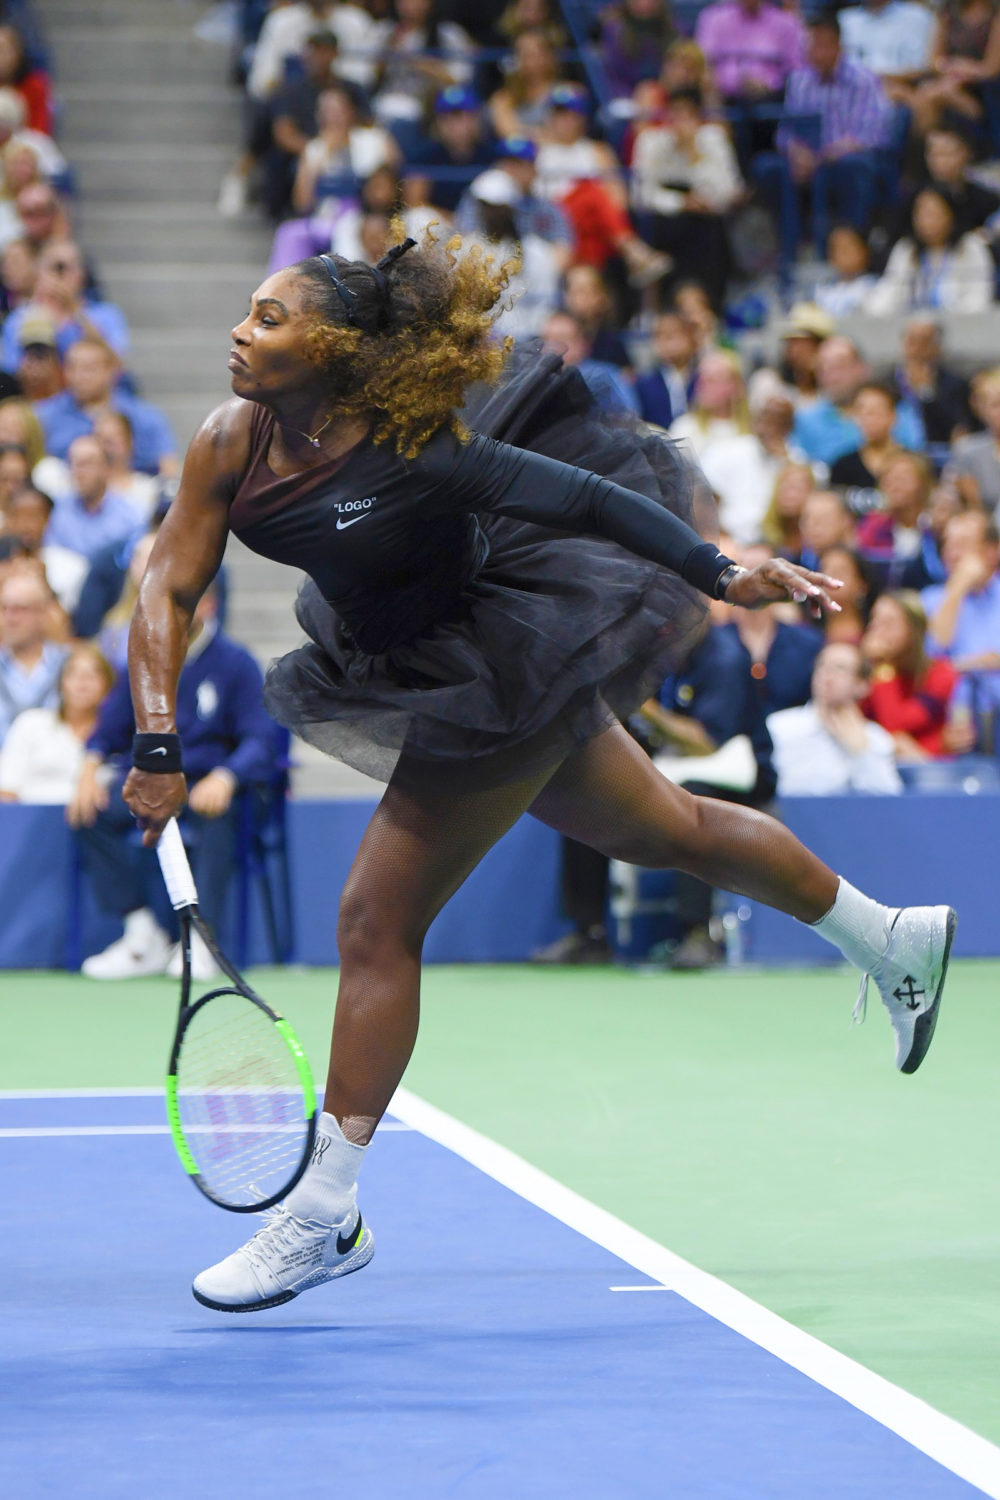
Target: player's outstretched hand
(777, 579)
(153, 799)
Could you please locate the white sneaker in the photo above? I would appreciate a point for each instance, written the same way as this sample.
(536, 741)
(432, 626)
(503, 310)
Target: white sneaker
(286, 1257)
(144, 950)
(203, 965)
(232, 199)
(910, 978)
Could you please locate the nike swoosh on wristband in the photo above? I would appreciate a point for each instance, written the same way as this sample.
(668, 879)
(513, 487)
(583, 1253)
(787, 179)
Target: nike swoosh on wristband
(342, 525)
(160, 750)
(349, 1241)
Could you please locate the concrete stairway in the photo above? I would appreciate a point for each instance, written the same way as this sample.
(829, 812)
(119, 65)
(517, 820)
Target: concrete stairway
(150, 126)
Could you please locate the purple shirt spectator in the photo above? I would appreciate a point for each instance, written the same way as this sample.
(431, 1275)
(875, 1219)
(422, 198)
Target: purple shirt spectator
(750, 43)
(91, 517)
(850, 105)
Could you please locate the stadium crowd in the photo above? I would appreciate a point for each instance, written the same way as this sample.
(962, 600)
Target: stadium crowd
(670, 181)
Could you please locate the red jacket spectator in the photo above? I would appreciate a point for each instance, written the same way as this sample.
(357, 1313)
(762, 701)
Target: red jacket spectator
(908, 693)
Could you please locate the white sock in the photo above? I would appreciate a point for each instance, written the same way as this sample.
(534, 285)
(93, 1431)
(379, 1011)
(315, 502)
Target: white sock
(857, 925)
(328, 1187)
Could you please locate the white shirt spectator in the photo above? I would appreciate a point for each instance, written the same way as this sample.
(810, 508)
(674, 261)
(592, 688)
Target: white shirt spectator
(699, 435)
(368, 148)
(41, 758)
(811, 762)
(888, 39)
(712, 172)
(959, 279)
(742, 474)
(285, 32)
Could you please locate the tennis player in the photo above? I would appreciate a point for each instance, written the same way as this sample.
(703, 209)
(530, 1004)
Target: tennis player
(487, 595)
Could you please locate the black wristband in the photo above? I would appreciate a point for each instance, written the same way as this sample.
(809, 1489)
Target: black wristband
(157, 753)
(704, 566)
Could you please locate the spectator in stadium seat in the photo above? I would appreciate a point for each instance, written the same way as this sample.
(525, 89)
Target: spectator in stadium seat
(635, 35)
(948, 155)
(284, 36)
(420, 54)
(91, 516)
(664, 391)
(686, 177)
(825, 521)
(584, 177)
(91, 371)
(936, 396)
(26, 516)
(60, 296)
(780, 655)
(13, 130)
(892, 39)
(566, 334)
(227, 741)
(713, 701)
(15, 473)
(42, 755)
(30, 662)
(828, 747)
(19, 425)
(719, 408)
(974, 463)
(18, 269)
(341, 154)
(695, 306)
(908, 692)
(587, 298)
(860, 471)
(456, 152)
(964, 612)
(780, 526)
(743, 470)
(802, 333)
(39, 372)
(521, 106)
(965, 55)
(853, 283)
(292, 110)
(900, 537)
(855, 596)
(836, 163)
(826, 429)
(516, 155)
(32, 84)
(936, 264)
(752, 47)
(41, 215)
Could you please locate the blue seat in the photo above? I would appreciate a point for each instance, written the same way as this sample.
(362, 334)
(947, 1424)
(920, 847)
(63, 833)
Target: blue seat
(968, 774)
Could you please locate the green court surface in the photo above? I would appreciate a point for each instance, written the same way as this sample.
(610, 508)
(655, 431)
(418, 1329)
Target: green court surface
(735, 1117)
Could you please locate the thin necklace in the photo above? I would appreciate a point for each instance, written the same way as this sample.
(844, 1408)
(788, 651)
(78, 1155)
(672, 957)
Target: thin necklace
(315, 437)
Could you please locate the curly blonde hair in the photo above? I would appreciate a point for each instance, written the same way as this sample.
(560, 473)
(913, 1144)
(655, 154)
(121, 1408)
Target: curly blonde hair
(406, 339)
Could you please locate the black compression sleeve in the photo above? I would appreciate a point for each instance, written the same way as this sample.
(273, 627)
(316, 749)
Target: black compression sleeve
(528, 486)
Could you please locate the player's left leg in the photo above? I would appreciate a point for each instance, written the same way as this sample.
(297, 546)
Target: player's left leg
(422, 842)
(610, 795)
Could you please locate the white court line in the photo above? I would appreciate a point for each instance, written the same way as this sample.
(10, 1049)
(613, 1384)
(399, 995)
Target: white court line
(639, 1289)
(82, 1093)
(20, 1132)
(941, 1438)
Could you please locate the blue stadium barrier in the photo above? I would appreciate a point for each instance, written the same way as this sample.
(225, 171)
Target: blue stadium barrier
(932, 847)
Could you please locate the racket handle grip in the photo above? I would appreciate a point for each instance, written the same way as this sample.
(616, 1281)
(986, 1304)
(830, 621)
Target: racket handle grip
(176, 871)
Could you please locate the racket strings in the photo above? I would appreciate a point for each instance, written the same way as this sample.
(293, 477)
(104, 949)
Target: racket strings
(240, 1100)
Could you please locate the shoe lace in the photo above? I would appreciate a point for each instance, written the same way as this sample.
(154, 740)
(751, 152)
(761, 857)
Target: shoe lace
(281, 1233)
(860, 1010)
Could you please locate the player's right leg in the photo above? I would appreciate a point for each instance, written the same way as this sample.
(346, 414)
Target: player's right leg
(610, 795)
(419, 847)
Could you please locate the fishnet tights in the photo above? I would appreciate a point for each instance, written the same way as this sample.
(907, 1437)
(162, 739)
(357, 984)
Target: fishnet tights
(423, 842)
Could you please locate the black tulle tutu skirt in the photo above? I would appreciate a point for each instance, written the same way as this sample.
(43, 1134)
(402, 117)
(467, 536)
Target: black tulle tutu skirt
(555, 638)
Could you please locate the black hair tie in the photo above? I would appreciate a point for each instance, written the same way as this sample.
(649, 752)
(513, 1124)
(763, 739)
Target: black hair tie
(347, 297)
(388, 260)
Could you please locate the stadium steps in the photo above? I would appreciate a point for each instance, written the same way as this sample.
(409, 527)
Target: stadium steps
(150, 125)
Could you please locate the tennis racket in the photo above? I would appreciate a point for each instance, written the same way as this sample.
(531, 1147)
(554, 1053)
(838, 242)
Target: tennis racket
(240, 1096)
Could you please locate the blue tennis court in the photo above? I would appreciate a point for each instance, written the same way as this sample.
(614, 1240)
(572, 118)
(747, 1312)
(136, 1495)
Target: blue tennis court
(484, 1353)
